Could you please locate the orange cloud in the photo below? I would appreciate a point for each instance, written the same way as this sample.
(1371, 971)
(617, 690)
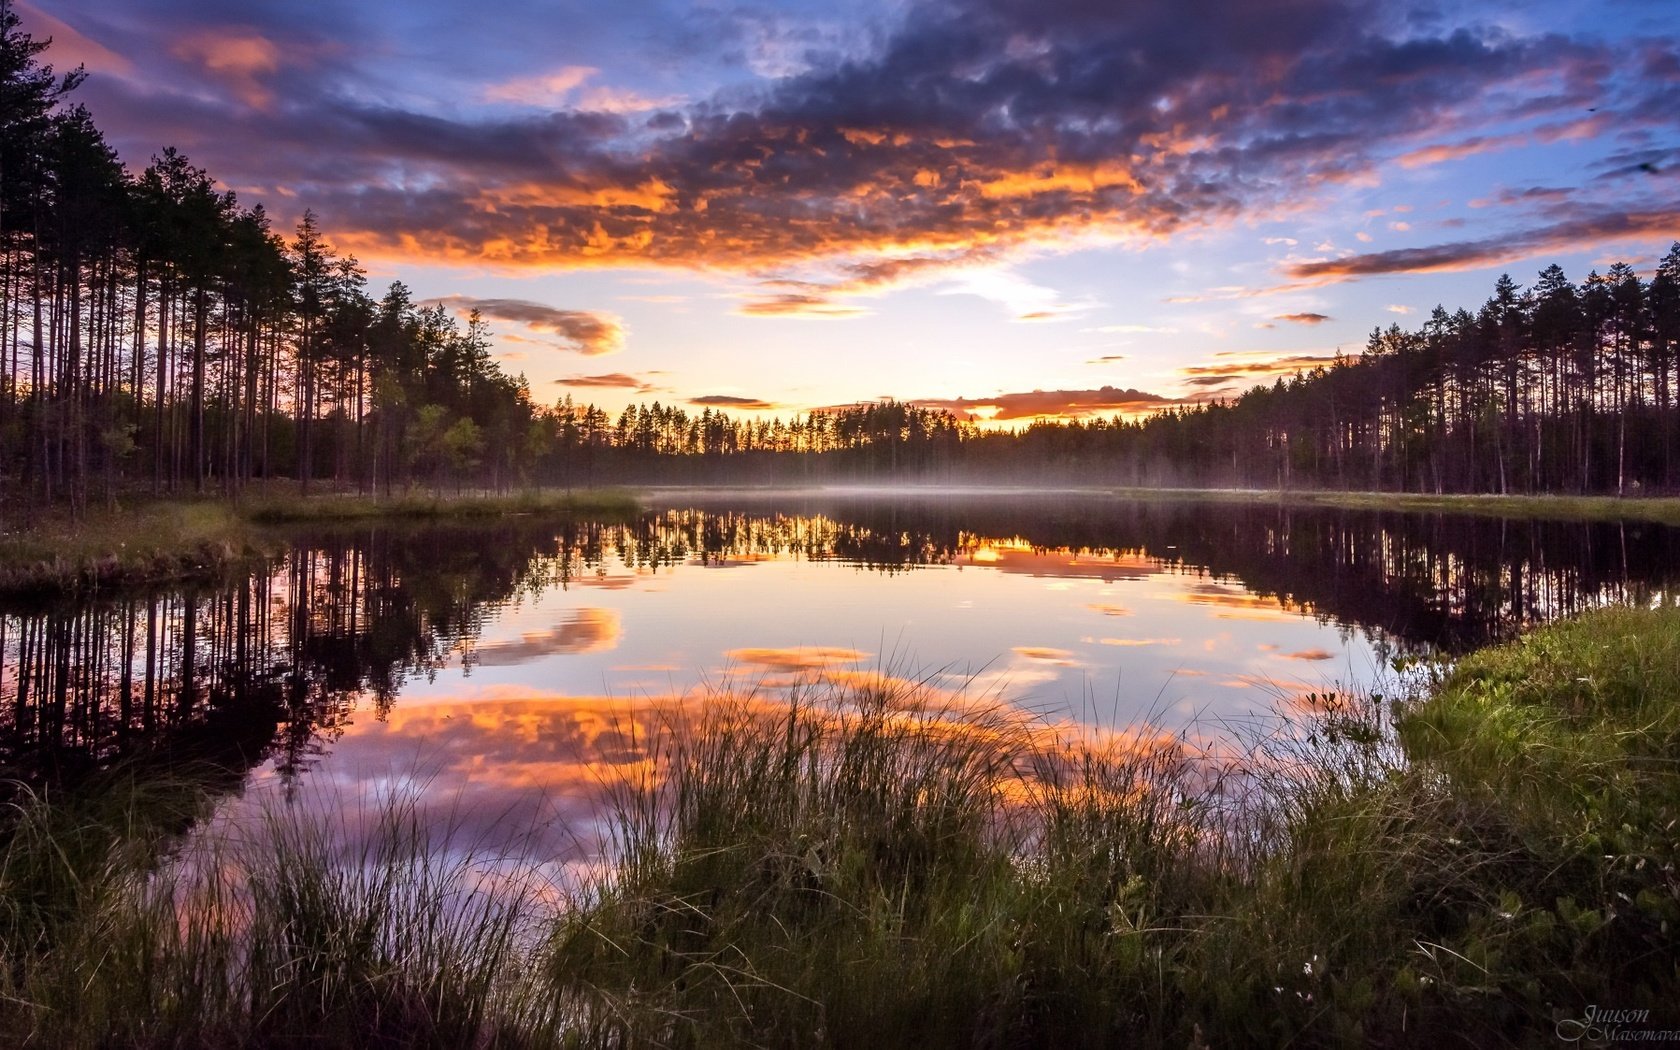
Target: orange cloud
(732, 401)
(610, 380)
(799, 304)
(586, 332)
(71, 48)
(241, 59)
(1051, 403)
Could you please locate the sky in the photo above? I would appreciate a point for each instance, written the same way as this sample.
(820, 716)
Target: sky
(1010, 208)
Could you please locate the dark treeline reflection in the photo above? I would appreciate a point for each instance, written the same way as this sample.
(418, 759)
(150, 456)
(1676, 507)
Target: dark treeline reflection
(1427, 582)
(271, 666)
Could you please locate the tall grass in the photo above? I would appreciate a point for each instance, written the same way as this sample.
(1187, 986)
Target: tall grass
(293, 933)
(884, 865)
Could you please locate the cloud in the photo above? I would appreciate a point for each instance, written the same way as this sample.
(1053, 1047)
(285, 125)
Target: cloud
(731, 401)
(1262, 367)
(1030, 405)
(799, 304)
(1570, 235)
(70, 48)
(1106, 359)
(1304, 318)
(542, 89)
(242, 60)
(963, 131)
(586, 332)
(564, 86)
(610, 380)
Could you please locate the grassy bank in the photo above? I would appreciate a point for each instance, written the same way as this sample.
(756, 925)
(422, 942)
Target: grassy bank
(1471, 868)
(1663, 510)
(1468, 868)
(159, 541)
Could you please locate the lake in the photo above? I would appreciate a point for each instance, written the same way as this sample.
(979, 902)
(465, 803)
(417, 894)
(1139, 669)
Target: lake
(509, 674)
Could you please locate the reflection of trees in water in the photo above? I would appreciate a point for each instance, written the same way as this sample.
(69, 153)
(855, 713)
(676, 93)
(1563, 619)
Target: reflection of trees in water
(269, 666)
(275, 664)
(1442, 582)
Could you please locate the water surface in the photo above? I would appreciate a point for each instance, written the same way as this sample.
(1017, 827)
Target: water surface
(507, 673)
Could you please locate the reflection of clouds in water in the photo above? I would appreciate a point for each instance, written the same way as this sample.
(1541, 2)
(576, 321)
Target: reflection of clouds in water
(531, 776)
(1235, 603)
(796, 658)
(583, 631)
(1109, 610)
(1128, 643)
(1024, 560)
(1310, 654)
(1046, 654)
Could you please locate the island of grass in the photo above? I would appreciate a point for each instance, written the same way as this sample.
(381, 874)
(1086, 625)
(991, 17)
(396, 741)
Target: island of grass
(1490, 863)
(152, 541)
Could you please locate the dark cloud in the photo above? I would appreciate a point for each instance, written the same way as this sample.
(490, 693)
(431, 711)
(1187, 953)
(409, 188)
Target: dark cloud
(1029, 405)
(1106, 359)
(970, 128)
(1215, 379)
(731, 401)
(611, 379)
(1304, 318)
(798, 304)
(584, 331)
(1264, 367)
(1569, 235)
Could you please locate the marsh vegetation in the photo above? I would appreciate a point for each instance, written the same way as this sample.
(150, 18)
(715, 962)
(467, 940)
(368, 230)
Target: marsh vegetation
(875, 866)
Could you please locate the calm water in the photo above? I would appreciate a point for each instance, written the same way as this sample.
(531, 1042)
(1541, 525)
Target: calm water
(507, 670)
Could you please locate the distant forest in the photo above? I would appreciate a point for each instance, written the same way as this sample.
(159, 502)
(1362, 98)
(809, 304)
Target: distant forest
(158, 336)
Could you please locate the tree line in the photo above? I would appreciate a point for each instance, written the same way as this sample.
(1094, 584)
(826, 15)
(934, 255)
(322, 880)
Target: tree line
(1555, 388)
(154, 331)
(156, 334)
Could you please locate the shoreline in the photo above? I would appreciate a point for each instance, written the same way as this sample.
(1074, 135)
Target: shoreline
(154, 542)
(160, 541)
(1656, 509)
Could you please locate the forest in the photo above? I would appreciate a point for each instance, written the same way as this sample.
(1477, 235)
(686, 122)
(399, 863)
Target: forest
(159, 336)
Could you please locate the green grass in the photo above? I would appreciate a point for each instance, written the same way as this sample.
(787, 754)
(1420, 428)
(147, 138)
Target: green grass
(342, 508)
(1468, 868)
(1664, 510)
(160, 541)
(151, 543)
(872, 866)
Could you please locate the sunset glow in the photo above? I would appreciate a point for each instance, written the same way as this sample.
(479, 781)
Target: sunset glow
(1014, 211)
